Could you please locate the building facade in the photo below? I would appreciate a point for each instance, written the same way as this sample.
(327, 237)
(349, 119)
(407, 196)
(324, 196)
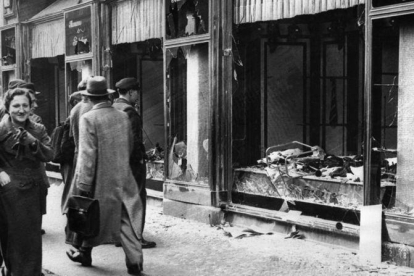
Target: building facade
(278, 113)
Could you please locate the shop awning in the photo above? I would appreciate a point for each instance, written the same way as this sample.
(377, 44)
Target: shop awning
(47, 29)
(56, 8)
(134, 21)
(248, 11)
(48, 39)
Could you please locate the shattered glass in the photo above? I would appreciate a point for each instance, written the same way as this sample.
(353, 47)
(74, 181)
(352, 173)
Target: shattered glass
(188, 113)
(295, 174)
(186, 18)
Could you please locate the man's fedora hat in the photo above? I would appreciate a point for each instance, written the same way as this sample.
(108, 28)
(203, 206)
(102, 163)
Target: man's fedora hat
(96, 86)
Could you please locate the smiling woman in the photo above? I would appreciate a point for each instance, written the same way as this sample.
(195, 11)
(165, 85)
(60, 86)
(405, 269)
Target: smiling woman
(24, 146)
(19, 109)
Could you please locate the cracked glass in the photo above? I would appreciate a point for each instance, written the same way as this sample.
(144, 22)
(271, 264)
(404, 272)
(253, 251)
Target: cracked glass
(186, 18)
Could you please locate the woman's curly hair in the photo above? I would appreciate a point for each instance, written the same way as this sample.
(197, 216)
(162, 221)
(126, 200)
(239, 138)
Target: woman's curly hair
(10, 94)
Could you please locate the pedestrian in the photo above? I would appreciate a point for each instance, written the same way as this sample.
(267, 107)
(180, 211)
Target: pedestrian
(15, 83)
(33, 93)
(83, 106)
(11, 85)
(103, 172)
(37, 119)
(24, 147)
(129, 89)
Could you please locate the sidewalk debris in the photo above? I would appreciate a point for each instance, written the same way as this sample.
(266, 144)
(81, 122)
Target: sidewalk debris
(239, 233)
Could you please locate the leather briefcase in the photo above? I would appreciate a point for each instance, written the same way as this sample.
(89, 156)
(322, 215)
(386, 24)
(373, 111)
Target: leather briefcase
(83, 216)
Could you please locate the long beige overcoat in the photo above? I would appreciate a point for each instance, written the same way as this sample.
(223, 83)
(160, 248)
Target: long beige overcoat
(105, 146)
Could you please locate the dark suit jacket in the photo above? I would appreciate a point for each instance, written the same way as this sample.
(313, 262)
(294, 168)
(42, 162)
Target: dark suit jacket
(138, 152)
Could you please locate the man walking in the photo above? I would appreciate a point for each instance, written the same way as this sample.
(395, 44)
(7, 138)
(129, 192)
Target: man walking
(83, 106)
(103, 172)
(129, 89)
(77, 111)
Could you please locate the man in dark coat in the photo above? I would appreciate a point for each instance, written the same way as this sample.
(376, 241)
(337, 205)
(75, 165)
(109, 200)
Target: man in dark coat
(75, 114)
(82, 106)
(129, 89)
(105, 146)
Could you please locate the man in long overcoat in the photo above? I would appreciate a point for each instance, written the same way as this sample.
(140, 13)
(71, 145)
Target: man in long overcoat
(77, 111)
(129, 89)
(103, 172)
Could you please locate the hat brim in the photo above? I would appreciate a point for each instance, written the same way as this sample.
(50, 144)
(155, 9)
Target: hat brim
(86, 93)
(32, 92)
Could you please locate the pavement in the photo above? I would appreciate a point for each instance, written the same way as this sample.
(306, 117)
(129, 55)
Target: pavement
(189, 248)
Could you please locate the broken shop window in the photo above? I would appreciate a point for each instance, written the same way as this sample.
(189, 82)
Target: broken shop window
(186, 18)
(188, 109)
(8, 52)
(296, 171)
(155, 162)
(180, 167)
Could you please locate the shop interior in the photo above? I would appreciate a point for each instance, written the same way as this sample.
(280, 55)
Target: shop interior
(298, 114)
(48, 75)
(144, 61)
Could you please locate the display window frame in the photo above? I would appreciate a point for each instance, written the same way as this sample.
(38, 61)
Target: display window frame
(191, 37)
(10, 69)
(395, 222)
(92, 55)
(9, 10)
(78, 25)
(374, 14)
(326, 72)
(201, 194)
(167, 110)
(3, 54)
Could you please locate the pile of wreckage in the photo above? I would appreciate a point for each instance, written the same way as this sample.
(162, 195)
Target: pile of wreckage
(312, 175)
(297, 162)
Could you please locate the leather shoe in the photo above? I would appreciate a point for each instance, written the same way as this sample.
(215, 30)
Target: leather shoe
(134, 270)
(148, 244)
(82, 256)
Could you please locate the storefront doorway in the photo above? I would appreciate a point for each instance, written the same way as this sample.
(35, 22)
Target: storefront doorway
(48, 75)
(144, 61)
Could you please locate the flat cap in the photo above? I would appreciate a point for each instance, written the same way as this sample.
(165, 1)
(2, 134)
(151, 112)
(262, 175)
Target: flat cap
(30, 86)
(82, 84)
(15, 83)
(127, 83)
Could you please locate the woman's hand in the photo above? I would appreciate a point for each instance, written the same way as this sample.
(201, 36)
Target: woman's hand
(27, 138)
(4, 178)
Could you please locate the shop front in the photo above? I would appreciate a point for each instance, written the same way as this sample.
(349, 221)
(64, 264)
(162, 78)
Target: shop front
(136, 51)
(298, 112)
(46, 68)
(62, 52)
(389, 63)
(12, 37)
(320, 119)
(282, 113)
(188, 105)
